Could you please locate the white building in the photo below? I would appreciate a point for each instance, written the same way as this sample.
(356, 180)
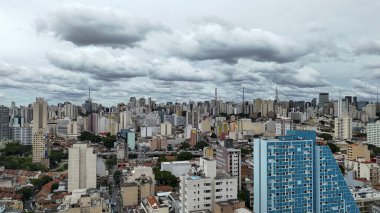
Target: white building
(373, 133)
(177, 168)
(71, 111)
(279, 127)
(199, 193)
(343, 128)
(82, 167)
(125, 120)
(22, 134)
(62, 126)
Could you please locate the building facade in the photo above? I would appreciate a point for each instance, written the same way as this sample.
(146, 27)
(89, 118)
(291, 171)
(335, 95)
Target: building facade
(358, 150)
(293, 174)
(82, 167)
(4, 123)
(229, 160)
(373, 133)
(343, 128)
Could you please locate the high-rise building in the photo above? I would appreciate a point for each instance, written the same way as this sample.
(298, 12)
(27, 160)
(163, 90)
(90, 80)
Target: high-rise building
(40, 113)
(22, 134)
(132, 102)
(166, 129)
(82, 167)
(229, 160)
(314, 102)
(373, 133)
(293, 174)
(39, 143)
(323, 98)
(4, 123)
(40, 147)
(88, 106)
(125, 120)
(343, 128)
(27, 114)
(62, 126)
(142, 102)
(71, 111)
(193, 137)
(200, 192)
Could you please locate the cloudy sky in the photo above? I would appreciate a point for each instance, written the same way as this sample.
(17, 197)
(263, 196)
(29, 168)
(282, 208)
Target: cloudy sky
(182, 49)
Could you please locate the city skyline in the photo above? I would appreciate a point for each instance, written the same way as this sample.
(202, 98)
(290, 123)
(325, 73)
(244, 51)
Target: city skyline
(56, 49)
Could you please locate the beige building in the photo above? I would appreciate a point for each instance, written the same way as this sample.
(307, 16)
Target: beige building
(166, 129)
(82, 201)
(205, 125)
(39, 147)
(133, 192)
(82, 167)
(40, 114)
(208, 152)
(228, 206)
(357, 150)
(39, 143)
(130, 193)
(157, 143)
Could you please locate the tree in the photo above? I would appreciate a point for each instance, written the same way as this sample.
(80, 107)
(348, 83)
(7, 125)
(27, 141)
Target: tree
(341, 167)
(334, 148)
(156, 169)
(242, 195)
(109, 141)
(213, 135)
(88, 136)
(38, 183)
(110, 162)
(26, 193)
(184, 156)
(25, 163)
(54, 186)
(56, 157)
(117, 176)
(164, 178)
(16, 149)
(246, 151)
(184, 146)
(201, 145)
(325, 136)
(162, 158)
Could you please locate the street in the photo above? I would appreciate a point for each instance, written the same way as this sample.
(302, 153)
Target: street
(115, 199)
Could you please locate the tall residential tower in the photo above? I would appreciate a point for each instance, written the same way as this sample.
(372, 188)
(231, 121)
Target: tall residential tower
(293, 174)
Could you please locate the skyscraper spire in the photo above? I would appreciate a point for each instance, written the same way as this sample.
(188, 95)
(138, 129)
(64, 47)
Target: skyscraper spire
(276, 95)
(377, 96)
(89, 92)
(243, 101)
(216, 93)
(339, 106)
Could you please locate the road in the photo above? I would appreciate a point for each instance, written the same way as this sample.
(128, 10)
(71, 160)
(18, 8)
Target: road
(115, 198)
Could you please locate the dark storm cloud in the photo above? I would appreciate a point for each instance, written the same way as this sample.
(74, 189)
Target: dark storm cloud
(84, 25)
(212, 41)
(99, 63)
(110, 65)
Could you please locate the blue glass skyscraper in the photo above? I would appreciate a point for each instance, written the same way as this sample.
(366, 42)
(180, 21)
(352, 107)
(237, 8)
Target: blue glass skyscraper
(293, 174)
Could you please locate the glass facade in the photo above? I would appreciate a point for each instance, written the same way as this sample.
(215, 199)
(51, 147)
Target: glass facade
(293, 174)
